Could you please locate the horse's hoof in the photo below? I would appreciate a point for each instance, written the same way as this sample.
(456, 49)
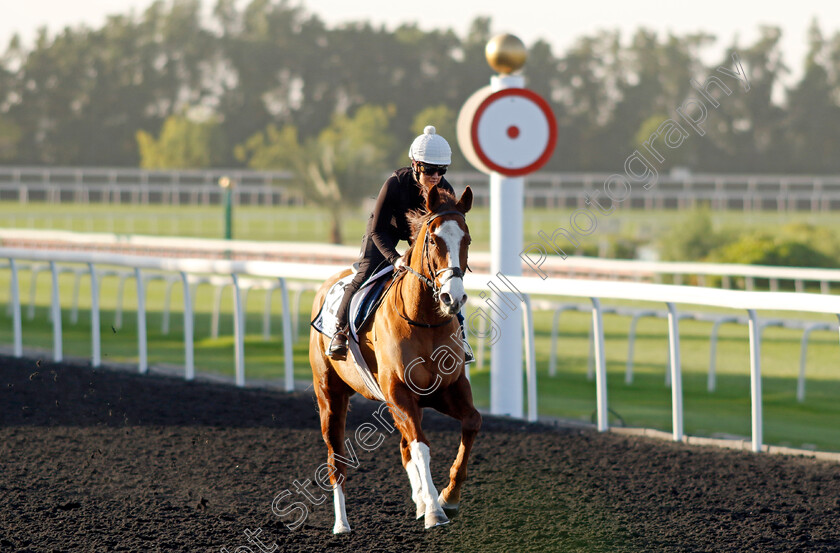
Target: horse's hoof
(421, 512)
(449, 508)
(341, 529)
(436, 518)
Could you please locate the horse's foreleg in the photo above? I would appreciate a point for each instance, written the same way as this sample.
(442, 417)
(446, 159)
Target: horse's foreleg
(450, 497)
(421, 458)
(407, 417)
(457, 403)
(413, 478)
(333, 408)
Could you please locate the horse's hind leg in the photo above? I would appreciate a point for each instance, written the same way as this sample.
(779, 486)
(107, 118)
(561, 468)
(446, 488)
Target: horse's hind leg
(333, 399)
(456, 401)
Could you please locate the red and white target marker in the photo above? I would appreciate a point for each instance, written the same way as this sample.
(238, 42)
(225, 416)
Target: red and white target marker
(512, 131)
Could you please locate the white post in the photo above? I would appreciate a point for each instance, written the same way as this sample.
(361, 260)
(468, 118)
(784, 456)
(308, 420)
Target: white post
(505, 246)
(238, 332)
(58, 352)
(18, 331)
(601, 362)
(94, 317)
(531, 359)
(676, 372)
(755, 380)
(189, 361)
(142, 362)
(288, 352)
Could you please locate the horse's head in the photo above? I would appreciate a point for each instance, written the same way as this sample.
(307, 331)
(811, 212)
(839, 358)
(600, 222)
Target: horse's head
(446, 241)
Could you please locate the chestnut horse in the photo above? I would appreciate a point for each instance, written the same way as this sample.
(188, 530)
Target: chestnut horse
(413, 348)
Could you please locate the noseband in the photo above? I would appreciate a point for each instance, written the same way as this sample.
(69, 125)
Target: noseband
(457, 272)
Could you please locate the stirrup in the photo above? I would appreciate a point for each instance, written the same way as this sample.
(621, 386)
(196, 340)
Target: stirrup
(337, 348)
(468, 352)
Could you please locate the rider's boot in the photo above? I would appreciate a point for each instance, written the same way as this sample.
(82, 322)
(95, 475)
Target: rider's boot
(337, 348)
(468, 352)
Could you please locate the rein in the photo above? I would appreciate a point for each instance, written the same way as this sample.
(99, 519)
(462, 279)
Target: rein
(457, 272)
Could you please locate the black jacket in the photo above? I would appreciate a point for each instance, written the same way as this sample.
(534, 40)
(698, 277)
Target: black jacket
(388, 223)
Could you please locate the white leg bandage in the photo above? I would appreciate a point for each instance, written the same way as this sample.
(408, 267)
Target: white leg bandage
(341, 524)
(416, 491)
(421, 458)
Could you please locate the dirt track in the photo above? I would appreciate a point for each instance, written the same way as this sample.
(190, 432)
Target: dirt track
(109, 461)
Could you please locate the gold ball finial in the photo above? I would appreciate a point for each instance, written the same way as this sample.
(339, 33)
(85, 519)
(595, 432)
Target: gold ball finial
(505, 53)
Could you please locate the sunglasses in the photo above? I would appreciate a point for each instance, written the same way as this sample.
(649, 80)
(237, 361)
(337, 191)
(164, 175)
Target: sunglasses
(429, 169)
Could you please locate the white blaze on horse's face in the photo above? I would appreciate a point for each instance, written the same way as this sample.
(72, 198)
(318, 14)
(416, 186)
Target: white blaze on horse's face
(452, 295)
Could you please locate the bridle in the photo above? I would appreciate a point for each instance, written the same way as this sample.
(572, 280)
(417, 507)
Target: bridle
(457, 272)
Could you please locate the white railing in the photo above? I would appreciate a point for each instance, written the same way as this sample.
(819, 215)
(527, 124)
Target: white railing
(142, 186)
(188, 269)
(672, 295)
(191, 273)
(679, 269)
(552, 265)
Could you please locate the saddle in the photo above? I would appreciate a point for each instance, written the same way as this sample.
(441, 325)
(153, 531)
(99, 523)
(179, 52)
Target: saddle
(362, 306)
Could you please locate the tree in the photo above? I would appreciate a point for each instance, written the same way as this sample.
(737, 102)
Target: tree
(9, 138)
(652, 126)
(813, 115)
(184, 143)
(335, 170)
(586, 100)
(749, 132)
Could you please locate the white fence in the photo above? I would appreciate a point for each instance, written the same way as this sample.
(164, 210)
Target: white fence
(190, 269)
(551, 190)
(140, 186)
(552, 265)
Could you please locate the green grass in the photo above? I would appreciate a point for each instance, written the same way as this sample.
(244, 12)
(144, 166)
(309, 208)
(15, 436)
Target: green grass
(646, 402)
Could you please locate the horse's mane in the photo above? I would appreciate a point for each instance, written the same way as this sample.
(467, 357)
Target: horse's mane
(419, 217)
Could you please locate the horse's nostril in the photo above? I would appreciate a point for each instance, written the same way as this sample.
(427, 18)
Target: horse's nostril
(446, 298)
(464, 299)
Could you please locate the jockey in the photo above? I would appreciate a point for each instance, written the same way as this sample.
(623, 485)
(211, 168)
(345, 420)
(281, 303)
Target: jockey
(404, 191)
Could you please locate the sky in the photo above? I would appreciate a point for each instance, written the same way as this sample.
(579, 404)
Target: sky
(556, 21)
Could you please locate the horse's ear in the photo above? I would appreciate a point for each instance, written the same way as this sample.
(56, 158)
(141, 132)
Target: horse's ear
(465, 203)
(433, 199)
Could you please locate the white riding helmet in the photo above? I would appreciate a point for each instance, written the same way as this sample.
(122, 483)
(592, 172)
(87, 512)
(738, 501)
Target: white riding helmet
(431, 148)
